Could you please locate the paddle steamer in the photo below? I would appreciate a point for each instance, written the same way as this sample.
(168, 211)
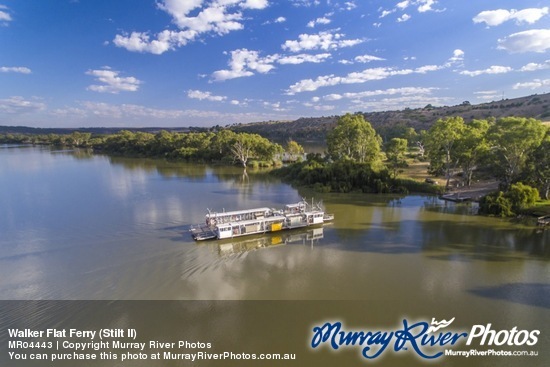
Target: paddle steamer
(259, 220)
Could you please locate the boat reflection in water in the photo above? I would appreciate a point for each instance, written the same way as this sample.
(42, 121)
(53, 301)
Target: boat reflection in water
(304, 237)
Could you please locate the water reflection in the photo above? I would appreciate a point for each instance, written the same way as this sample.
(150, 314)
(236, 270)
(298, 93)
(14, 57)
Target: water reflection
(242, 245)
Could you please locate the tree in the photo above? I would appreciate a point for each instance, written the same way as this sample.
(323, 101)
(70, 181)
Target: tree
(538, 167)
(294, 150)
(246, 146)
(442, 140)
(395, 151)
(512, 139)
(354, 138)
(471, 147)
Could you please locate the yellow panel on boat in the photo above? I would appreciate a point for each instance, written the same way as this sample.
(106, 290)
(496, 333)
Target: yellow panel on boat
(276, 226)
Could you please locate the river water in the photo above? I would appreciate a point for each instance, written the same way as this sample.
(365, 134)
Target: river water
(76, 226)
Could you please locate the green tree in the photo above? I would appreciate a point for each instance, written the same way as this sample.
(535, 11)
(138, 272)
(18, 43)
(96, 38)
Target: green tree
(442, 142)
(472, 147)
(395, 152)
(538, 167)
(354, 138)
(512, 139)
(294, 150)
(246, 146)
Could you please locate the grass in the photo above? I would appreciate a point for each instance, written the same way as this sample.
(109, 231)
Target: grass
(541, 208)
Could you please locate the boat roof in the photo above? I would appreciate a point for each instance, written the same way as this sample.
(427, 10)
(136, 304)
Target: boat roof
(238, 212)
(251, 221)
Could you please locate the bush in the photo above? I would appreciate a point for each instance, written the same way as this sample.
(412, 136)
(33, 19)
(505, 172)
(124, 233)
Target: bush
(496, 204)
(522, 196)
(508, 204)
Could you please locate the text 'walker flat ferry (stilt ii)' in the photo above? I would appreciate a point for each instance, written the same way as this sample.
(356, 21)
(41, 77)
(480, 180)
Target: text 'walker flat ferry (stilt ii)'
(259, 220)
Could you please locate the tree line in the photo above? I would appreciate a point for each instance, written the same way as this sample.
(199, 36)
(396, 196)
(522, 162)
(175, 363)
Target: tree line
(514, 150)
(221, 146)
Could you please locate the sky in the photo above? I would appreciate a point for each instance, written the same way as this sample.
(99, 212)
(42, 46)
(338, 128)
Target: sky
(176, 63)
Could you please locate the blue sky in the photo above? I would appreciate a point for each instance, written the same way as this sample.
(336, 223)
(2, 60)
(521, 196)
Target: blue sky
(135, 63)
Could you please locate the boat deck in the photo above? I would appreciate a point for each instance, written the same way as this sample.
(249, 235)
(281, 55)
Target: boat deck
(202, 232)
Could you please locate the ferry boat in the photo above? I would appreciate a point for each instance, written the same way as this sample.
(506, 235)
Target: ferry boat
(259, 220)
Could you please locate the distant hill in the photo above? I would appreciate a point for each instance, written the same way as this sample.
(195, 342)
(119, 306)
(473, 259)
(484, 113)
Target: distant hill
(315, 128)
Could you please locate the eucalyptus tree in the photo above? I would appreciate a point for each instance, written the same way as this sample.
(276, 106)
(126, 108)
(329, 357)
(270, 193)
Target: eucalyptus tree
(442, 143)
(538, 167)
(353, 138)
(395, 152)
(511, 141)
(472, 147)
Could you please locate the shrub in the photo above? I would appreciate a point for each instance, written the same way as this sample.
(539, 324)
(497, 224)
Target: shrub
(508, 204)
(496, 204)
(522, 196)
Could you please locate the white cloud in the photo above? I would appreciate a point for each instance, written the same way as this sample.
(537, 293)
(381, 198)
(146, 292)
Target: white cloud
(405, 91)
(422, 7)
(365, 59)
(368, 58)
(275, 106)
(18, 104)
(534, 66)
(495, 69)
(302, 58)
(388, 104)
(309, 85)
(165, 40)
(322, 20)
(534, 40)
(105, 114)
(456, 59)
(255, 4)
(403, 18)
(306, 3)
(217, 17)
(487, 95)
(496, 17)
(280, 20)
(427, 68)
(15, 69)
(244, 63)
(425, 5)
(385, 13)
(350, 5)
(324, 108)
(197, 94)
(322, 41)
(112, 83)
(535, 84)
(5, 16)
(333, 97)
(403, 5)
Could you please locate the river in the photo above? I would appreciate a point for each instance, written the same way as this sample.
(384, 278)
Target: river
(77, 226)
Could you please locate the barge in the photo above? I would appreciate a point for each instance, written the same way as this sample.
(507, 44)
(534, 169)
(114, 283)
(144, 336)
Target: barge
(259, 220)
